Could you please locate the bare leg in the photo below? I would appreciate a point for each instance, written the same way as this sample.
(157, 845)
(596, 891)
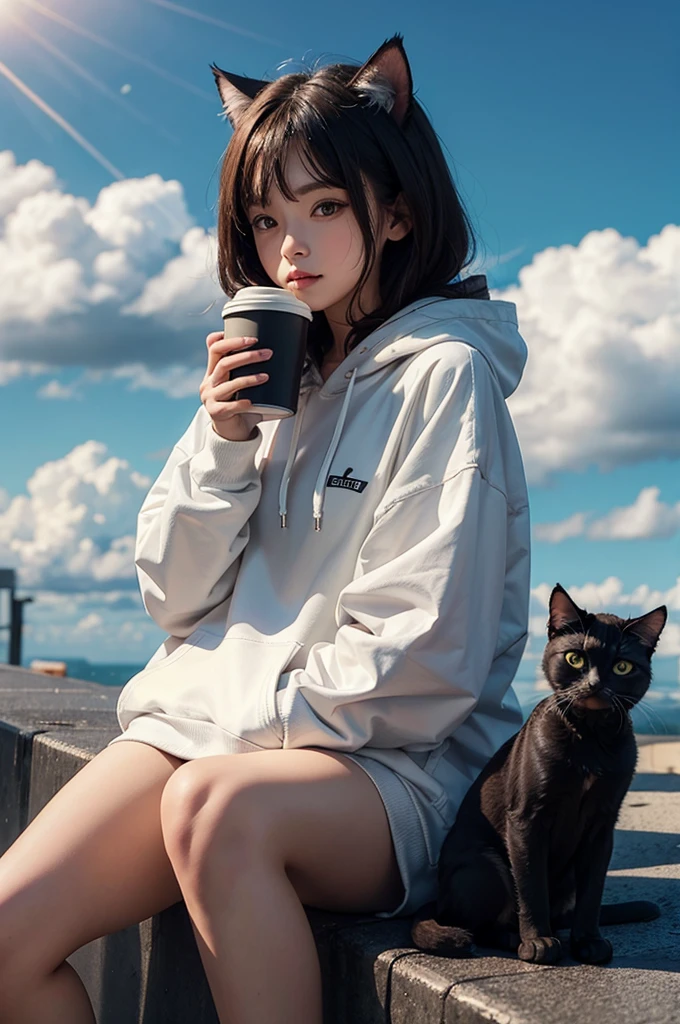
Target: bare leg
(257, 947)
(91, 863)
(60, 997)
(254, 839)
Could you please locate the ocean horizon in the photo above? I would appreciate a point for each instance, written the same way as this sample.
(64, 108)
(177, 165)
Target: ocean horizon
(659, 715)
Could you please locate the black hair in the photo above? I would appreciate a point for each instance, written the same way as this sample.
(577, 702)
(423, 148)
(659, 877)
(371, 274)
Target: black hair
(344, 141)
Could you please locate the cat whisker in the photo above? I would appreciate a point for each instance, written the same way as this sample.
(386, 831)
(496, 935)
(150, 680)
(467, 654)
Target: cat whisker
(623, 714)
(648, 710)
(553, 704)
(560, 698)
(652, 723)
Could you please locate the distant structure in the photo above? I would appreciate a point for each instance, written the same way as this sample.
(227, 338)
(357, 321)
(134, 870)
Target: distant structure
(16, 613)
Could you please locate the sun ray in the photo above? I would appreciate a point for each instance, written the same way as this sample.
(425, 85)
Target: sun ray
(33, 116)
(58, 119)
(67, 23)
(70, 130)
(215, 21)
(79, 70)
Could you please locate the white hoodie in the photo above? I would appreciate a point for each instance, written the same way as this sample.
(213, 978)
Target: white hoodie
(355, 577)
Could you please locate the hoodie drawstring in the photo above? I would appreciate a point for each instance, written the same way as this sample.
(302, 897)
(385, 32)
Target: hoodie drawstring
(320, 488)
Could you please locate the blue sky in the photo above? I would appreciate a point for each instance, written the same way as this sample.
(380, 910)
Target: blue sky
(561, 128)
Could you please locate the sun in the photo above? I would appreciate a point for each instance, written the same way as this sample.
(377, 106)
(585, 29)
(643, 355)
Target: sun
(7, 9)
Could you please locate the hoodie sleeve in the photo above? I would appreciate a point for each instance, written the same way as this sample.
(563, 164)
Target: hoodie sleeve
(193, 526)
(422, 619)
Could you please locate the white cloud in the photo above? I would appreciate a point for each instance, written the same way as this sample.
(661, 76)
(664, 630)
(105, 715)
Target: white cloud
(140, 215)
(669, 644)
(174, 293)
(18, 182)
(645, 519)
(75, 528)
(108, 286)
(556, 532)
(602, 381)
(55, 389)
(610, 594)
(89, 624)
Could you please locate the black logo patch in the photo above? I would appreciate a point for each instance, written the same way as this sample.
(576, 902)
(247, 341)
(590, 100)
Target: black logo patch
(346, 481)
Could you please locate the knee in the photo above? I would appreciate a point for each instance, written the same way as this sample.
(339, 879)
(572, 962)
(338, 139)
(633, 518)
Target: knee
(207, 820)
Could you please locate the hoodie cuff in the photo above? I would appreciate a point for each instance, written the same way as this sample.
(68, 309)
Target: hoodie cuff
(222, 461)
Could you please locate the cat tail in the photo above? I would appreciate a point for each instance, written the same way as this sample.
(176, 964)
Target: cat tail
(618, 913)
(430, 936)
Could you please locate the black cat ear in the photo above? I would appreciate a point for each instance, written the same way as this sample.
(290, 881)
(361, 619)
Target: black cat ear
(236, 92)
(390, 63)
(647, 628)
(563, 612)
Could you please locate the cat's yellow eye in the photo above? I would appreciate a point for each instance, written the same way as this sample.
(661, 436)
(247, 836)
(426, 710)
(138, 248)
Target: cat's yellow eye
(575, 659)
(622, 668)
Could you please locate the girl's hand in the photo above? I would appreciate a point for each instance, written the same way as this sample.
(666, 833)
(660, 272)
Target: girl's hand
(230, 419)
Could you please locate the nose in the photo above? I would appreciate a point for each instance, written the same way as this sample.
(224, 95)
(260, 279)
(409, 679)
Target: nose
(594, 680)
(293, 247)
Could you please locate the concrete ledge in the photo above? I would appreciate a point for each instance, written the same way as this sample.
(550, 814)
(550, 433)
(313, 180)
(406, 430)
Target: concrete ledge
(152, 973)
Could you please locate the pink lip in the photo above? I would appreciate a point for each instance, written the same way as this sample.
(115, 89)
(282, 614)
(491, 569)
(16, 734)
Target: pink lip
(303, 282)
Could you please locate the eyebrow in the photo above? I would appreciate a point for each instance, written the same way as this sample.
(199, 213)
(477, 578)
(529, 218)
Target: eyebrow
(311, 186)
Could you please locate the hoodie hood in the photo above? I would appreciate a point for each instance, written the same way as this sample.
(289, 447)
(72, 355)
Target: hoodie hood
(487, 325)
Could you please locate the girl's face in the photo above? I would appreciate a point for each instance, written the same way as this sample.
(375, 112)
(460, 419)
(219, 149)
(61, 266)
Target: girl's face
(318, 234)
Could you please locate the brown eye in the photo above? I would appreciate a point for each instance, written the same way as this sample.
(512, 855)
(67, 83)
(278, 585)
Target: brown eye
(575, 659)
(330, 202)
(622, 668)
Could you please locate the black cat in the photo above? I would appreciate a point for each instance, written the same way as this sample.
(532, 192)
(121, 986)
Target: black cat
(529, 850)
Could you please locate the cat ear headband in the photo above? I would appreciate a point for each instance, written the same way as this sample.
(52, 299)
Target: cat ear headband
(383, 81)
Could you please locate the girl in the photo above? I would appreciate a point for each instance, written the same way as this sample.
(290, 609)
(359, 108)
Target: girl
(345, 591)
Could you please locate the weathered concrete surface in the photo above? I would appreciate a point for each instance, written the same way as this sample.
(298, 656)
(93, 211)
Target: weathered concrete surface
(645, 864)
(151, 973)
(31, 704)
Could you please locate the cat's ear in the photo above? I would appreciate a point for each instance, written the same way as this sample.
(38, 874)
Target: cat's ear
(388, 62)
(236, 92)
(647, 628)
(564, 612)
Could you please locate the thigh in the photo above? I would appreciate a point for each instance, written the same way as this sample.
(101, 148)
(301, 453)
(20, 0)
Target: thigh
(314, 811)
(91, 863)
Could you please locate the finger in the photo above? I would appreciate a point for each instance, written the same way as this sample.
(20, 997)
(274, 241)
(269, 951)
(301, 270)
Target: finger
(222, 364)
(213, 337)
(229, 387)
(222, 410)
(216, 351)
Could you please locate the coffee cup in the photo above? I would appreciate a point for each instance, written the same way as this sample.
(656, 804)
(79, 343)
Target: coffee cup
(280, 322)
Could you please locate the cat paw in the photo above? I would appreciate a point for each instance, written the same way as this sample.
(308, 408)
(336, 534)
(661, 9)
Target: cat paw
(544, 950)
(591, 950)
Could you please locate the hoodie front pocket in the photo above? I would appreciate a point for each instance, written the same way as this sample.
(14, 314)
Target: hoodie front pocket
(229, 680)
